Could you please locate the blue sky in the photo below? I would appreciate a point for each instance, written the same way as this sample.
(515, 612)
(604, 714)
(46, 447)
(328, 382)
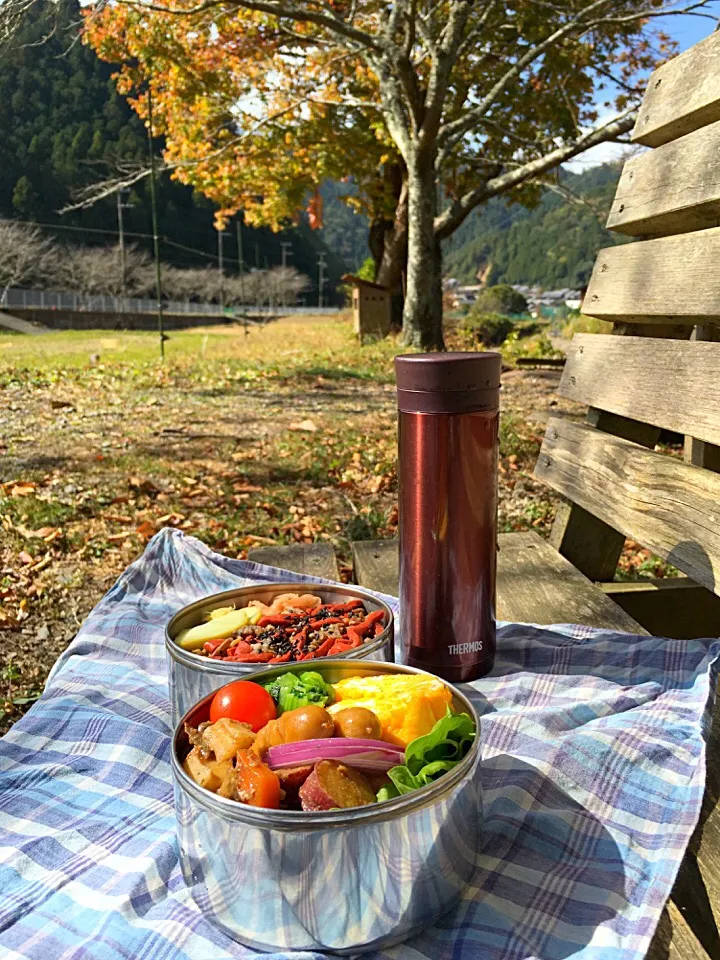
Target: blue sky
(686, 30)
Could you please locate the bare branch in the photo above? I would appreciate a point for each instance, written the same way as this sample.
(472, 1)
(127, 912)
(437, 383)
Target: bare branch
(578, 26)
(442, 65)
(451, 218)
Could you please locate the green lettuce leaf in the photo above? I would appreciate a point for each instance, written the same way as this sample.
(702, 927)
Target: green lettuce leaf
(387, 792)
(403, 780)
(449, 740)
(293, 690)
(429, 757)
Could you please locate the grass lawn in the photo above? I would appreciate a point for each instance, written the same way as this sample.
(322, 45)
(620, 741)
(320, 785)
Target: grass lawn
(285, 435)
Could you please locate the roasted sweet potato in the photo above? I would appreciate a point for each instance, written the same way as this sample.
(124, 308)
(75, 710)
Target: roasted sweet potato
(332, 784)
(291, 779)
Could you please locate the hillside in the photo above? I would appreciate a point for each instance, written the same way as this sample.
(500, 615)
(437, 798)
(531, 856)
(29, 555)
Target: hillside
(64, 126)
(553, 245)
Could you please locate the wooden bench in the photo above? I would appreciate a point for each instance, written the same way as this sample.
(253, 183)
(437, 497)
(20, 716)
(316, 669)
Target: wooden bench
(658, 371)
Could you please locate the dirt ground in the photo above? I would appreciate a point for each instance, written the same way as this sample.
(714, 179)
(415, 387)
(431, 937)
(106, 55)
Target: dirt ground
(287, 435)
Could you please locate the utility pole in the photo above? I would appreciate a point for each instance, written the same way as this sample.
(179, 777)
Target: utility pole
(156, 237)
(286, 248)
(121, 244)
(270, 291)
(220, 268)
(241, 272)
(321, 278)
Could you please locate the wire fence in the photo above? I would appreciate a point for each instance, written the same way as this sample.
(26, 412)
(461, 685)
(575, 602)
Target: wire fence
(20, 299)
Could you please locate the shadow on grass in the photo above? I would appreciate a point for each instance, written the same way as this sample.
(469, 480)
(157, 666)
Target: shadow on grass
(24, 466)
(337, 373)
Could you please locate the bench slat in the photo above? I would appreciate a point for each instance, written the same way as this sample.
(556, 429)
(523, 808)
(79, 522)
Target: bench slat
(668, 280)
(311, 559)
(682, 95)
(674, 607)
(673, 384)
(674, 940)
(674, 189)
(697, 888)
(668, 506)
(534, 583)
(376, 564)
(591, 545)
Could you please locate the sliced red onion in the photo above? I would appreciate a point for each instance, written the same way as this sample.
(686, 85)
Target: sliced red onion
(354, 751)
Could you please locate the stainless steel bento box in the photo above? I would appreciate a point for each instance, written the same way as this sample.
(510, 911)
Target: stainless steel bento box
(191, 677)
(344, 881)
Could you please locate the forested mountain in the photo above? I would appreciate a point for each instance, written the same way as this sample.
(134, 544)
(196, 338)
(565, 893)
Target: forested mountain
(63, 126)
(345, 231)
(554, 244)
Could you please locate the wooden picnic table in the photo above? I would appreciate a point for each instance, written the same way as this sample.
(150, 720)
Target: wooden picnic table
(535, 583)
(658, 373)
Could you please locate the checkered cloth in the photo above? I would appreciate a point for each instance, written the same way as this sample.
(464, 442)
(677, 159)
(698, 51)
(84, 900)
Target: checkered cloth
(592, 767)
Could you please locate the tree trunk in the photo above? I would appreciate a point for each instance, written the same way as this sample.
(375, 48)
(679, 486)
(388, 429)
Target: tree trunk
(393, 265)
(422, 316)
(388, 240)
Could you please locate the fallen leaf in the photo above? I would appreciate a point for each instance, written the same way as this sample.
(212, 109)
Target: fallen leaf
(143, 486)
(171, 518)
(146, 529)
(23, 489)
(304, 426)
(48, 532)
(24, 557)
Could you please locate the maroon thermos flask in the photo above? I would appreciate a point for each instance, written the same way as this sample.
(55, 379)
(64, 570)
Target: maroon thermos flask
(448, 450)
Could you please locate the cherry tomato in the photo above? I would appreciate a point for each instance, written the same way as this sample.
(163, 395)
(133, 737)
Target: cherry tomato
(244, 701)
(257, 785)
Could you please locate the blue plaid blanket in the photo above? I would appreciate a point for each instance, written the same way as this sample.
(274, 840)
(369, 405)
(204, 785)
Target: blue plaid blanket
(593, 772)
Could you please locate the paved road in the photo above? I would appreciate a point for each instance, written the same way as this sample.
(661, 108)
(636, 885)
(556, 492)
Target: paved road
(21, 326)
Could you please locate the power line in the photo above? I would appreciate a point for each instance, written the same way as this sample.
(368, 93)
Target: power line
(181, 246)
(64, 226)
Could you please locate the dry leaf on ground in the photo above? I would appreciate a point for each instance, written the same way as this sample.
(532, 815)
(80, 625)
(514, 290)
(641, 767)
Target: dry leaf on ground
(304, 426)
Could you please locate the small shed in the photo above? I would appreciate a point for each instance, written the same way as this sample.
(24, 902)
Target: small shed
(371, 304)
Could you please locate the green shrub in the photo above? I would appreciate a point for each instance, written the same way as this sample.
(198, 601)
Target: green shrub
(500, 299)
(583, 324)
(489, 329)
(538, 347)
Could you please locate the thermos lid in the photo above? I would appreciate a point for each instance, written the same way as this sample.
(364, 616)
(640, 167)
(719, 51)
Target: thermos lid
(448, 382)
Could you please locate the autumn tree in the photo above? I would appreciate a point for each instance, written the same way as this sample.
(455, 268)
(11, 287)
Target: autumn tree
(438, 106)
